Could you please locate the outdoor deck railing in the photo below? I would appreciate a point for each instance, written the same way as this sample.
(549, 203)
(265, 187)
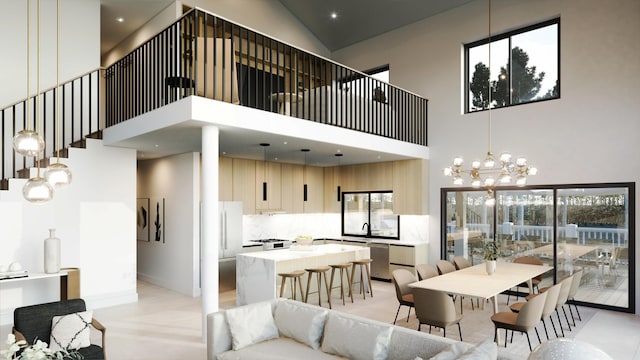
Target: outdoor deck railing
(585, 235)
(204, 55)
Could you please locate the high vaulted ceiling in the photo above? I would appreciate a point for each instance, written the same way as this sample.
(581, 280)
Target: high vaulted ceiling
(356, 20)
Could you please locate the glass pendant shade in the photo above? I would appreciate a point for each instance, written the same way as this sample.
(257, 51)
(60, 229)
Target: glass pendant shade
(58, 175)
(28, 143)
(37, 190)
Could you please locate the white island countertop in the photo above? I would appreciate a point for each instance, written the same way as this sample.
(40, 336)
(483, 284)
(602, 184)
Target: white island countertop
(257, 272)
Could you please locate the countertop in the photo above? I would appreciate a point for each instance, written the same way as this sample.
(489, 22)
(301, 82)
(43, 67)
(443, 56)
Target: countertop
(378, 241)
(301, 252)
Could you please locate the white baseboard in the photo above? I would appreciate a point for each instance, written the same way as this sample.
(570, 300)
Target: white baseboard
(195, 292)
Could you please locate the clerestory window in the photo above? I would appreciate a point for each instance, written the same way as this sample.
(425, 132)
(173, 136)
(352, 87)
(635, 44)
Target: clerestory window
(525, 67)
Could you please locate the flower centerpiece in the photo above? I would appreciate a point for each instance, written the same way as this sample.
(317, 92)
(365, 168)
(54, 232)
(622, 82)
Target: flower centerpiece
(38, 351)
(490, 248)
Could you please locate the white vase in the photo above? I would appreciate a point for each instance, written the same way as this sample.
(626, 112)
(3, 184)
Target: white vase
(51, 253)
(490, 266)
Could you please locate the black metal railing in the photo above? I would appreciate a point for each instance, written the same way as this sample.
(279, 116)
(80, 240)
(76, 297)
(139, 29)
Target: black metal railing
(204, 55)
(79, 117)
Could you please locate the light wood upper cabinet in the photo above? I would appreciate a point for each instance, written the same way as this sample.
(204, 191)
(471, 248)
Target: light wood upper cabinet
(410, 187)
(292, 188)
(244, 180)
(271, 173)
(332, 200)
(314, 177)
(225, 179)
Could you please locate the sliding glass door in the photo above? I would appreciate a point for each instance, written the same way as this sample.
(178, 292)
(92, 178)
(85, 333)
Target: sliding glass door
(586, 228)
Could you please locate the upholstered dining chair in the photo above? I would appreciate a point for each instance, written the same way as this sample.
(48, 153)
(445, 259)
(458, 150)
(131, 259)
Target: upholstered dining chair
(426, 271)
(435, 308)
(523, 321)
(461, 262)
(549, 306)
(575, 285)
(35, 322)
(444, 267)
(401, 280)
(535, 281)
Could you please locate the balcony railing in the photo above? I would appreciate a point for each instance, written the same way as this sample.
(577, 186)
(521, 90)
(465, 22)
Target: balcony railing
(204, 55)
(79, 116)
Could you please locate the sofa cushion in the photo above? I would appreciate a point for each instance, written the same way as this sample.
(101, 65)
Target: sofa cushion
(251, 324)
(356, 338)
(276, 349)
(71, 332)
(301, 322)
(409, 344)
(487, 350)
(451, 353)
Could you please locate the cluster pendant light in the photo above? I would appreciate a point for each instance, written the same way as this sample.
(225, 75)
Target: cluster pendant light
(491, 171)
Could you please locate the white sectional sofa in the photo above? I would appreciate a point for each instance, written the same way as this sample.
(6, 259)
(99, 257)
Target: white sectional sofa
(287, 329)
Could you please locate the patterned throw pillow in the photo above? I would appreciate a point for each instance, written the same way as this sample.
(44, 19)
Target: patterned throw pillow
(71, 332)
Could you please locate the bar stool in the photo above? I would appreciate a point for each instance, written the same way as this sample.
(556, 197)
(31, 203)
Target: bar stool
(295, 279)
(319, 271)
(362, 263)
(342, 267)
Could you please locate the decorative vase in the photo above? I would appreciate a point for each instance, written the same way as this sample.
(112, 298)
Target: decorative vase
(491, 266)
(51, 253)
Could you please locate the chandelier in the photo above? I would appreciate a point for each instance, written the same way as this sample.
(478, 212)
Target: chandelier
(491, 172)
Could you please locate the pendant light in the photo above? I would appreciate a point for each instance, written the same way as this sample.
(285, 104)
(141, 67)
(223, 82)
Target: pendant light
(38, 189)
(339, 155)
(304, 175)
(28, 142)
(58, 174)
(264, 179)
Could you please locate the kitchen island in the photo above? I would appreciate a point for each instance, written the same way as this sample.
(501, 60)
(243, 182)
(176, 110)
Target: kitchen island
(257, 272)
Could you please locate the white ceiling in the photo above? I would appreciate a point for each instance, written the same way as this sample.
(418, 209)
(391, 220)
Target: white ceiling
(356, 20)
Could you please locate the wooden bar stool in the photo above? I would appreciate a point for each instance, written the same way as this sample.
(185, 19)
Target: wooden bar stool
(362, 263)
(344, 267)
(320, 271)
(295, 279)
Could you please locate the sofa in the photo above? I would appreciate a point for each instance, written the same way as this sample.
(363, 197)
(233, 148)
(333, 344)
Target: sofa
(288, 329)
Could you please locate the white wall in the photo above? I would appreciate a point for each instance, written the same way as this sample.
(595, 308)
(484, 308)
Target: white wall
(587, 136)
(79, 24)
(94, 218)
(265, 16)
(173, 264)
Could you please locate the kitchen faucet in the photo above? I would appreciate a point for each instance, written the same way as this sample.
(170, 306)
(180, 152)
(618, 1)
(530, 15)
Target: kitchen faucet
(367, 226)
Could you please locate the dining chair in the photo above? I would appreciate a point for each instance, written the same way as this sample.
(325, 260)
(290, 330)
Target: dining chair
(461, 262)
(575, 285)
(401, 280)
(563, 295)
(426, 271)
(435, 308)
(610, 263)
(523, 321)
(535, 281)
(444, 267)
(549, 306)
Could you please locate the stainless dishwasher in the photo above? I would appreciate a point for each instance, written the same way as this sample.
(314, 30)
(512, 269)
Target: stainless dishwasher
(380, 263)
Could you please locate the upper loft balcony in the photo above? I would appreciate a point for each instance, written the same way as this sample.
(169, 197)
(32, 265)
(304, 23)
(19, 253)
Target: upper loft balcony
(204, 55)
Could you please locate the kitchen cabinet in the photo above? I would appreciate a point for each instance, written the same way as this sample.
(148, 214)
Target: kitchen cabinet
(410, 187)
(407, 256)
(225, 179)
(314, 177)
(332, 198)
(244, 184)
(271, 173)
(292, 188)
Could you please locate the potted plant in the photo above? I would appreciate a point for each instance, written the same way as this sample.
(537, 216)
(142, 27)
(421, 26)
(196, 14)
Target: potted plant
(490, 248)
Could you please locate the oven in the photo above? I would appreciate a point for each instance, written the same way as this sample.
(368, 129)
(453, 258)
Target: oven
(273, 244)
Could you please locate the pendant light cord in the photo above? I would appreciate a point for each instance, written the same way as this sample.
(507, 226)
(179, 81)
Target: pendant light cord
(58, 81)
(489, 80)
(38, 93)
(28, 60)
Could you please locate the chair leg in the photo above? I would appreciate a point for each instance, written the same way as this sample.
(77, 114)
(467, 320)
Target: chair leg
(495, 334)
(398, 312)
(306, 295)
(429, 329)
(319, 282)
(445, 331)
(554, 326)
(366, 267)
(505, 337)
(328, 289)
(538, 335)
(573, 319)
(293, 288)
(560, 322)
(299, 281)
(349, 282)
(511, 337)
(566, 318)
(408, 313)
(545, 328)
(577, 312)
(282, 286)
(529, 341)
(419, 325)
(461, 311)
(333, 270)
(460, 330)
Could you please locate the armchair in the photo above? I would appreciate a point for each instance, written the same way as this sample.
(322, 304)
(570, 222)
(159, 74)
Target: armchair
(35, 321)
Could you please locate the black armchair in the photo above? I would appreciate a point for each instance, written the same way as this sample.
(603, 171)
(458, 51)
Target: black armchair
(34, 322)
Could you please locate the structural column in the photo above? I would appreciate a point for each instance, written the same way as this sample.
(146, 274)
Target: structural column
(210, 229)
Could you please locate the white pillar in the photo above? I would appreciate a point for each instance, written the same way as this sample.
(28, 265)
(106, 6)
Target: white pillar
(210, 227)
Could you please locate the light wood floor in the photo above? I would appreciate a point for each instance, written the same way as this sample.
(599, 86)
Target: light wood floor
(166, 325)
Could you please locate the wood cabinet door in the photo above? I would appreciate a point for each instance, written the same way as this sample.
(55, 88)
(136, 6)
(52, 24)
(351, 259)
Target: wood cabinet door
(244, 179)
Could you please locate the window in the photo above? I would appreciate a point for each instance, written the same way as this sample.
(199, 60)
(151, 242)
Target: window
(588, 228)
(525, 67)
(370, 214)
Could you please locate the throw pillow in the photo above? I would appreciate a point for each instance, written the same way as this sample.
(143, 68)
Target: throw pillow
(71, 332)
(301, 322)
(487, 350)
(356, 339)
(251, 324)
(451, 353)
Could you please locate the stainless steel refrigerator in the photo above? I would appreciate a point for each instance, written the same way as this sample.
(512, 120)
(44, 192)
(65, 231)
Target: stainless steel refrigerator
(230, 218)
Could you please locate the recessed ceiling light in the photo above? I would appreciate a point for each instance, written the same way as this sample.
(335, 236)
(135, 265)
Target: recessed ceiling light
(334, 15)
(120, 19)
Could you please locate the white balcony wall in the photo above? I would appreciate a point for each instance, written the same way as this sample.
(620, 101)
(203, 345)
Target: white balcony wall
(79, 29)
(587, 136)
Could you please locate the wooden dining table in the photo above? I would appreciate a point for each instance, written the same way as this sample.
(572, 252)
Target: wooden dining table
(475, 282)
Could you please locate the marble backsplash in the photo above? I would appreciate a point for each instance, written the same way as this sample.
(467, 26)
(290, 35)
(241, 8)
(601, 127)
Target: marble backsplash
(414, 228)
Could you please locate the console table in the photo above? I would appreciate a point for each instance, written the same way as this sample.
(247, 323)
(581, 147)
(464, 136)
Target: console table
(69, 281)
